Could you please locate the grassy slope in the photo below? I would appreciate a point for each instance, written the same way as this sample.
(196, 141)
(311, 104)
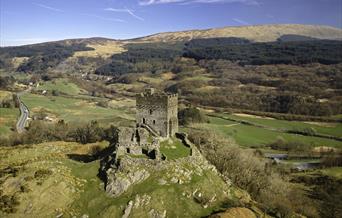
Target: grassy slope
(8, 116)
(73, 188)
(61, 85)
(5, 95)
(260, 33)
(56, 192)
(334, 129)
(333, 171)
(74, 110)
(174, 149)
(253, 136)
(8, 119)
(104, 50)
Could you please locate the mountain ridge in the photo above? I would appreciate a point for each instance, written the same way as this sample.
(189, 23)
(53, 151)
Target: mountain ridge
(256, 33)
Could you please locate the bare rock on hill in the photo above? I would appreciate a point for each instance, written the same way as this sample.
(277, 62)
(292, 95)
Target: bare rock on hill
(120, 182)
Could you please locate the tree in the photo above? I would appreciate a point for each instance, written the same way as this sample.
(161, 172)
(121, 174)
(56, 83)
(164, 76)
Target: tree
(191, 115)
(89, 133)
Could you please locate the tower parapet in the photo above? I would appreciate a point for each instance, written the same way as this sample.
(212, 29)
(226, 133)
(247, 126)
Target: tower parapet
(158, 110)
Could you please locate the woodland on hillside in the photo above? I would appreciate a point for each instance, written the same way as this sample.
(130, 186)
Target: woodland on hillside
(84, 98)
(295, 75)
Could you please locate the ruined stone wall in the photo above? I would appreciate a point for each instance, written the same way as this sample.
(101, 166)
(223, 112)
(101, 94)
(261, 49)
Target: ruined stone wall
(136, 141)
(132, 136)
(126, 136)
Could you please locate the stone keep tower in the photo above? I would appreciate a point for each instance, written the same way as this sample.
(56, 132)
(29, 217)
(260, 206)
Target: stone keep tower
(158, 111)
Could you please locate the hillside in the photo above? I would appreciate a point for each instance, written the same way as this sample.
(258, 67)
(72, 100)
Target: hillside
(55, 180)
(260, 33)
(271, 68)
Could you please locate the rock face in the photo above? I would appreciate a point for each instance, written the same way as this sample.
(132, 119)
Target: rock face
(120, 179)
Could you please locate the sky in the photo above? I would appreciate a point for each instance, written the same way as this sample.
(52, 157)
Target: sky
(34, 21)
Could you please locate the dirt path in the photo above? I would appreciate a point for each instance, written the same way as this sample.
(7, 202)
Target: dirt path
(234, 124)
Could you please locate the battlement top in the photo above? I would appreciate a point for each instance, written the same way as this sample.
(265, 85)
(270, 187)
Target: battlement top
(150, 92)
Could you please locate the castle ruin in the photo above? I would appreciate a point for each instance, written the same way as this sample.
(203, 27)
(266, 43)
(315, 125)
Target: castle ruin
(156, 117)
(157, 112)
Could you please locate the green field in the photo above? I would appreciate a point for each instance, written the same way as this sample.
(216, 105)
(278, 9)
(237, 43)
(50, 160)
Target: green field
(8, 116)
(8, 119)
(333, 171)
(251, 136)
(174, 149)
(334, 129)
(61, 85)
(75, 110)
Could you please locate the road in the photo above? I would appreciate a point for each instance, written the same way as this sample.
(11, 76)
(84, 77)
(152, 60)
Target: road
(24, 114)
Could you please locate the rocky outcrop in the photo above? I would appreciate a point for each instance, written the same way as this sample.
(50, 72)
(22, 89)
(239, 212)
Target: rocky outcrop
(155, 214)
(128, 171)
(128, 209)
(120, 179)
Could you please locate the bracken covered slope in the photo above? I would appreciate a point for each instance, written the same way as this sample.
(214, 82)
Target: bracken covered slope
(260, 33)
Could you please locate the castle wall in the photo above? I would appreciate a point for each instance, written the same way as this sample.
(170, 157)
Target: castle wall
(126, 136)
(132, 136)
(173, 114)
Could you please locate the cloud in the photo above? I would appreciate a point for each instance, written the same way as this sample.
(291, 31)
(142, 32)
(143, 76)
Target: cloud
(104, 18)
(241, 21)
(125, 10)
(48, 7)
(184, 2)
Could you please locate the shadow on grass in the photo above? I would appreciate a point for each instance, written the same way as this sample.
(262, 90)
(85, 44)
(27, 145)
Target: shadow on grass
(106, 156)
(85, 158)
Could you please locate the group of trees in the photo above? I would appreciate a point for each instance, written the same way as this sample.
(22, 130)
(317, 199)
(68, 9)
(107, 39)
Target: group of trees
(6, 82)
(41, 56)
(9, 102)
(191, 115)
(277, 77)
(305, 90)
(141, 58)
(281, 52)
(40, 131)
(326, 191)
(293, 88)
(296, 147)
(255, 174)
